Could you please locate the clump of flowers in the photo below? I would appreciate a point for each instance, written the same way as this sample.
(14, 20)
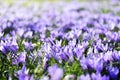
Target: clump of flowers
(67, 41)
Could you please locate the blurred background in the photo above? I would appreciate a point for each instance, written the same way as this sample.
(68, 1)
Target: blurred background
(96, 6)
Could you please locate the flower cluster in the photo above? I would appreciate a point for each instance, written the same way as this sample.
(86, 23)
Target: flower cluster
(67, 41)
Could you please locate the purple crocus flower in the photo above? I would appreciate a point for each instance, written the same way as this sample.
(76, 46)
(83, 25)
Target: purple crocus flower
(83, 63)
(28, 34)
(9, 44)
(55, 72)
(28, 45)
(63, 56)
(17, 59)
(116, 55)
(79, 49)
(22, 57)
(4, 49)
(23, 74)
(85, 77)
(108, 56)
(98, 76)
(99, 65)
(92, 62)
(47, 47)
(69, 52)
(113, 71)
(20, 32)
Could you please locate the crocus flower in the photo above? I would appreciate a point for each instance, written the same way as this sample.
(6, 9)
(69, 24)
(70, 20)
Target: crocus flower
(22, 57)
(28, 45)
(9, 45)
(55, 72)
(98, 76)
(85, 77)
(108, 56)
(116, 55)
(23, 74)
(113, 71)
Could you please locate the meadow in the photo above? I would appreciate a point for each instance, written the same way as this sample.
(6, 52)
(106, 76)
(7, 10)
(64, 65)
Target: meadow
(60, 40)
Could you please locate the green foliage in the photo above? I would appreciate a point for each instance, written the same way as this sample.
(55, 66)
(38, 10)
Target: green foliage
(105, 10)
(7, 68)
(47, 33)
(73, 68)
(69, 67)
(64, 42)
